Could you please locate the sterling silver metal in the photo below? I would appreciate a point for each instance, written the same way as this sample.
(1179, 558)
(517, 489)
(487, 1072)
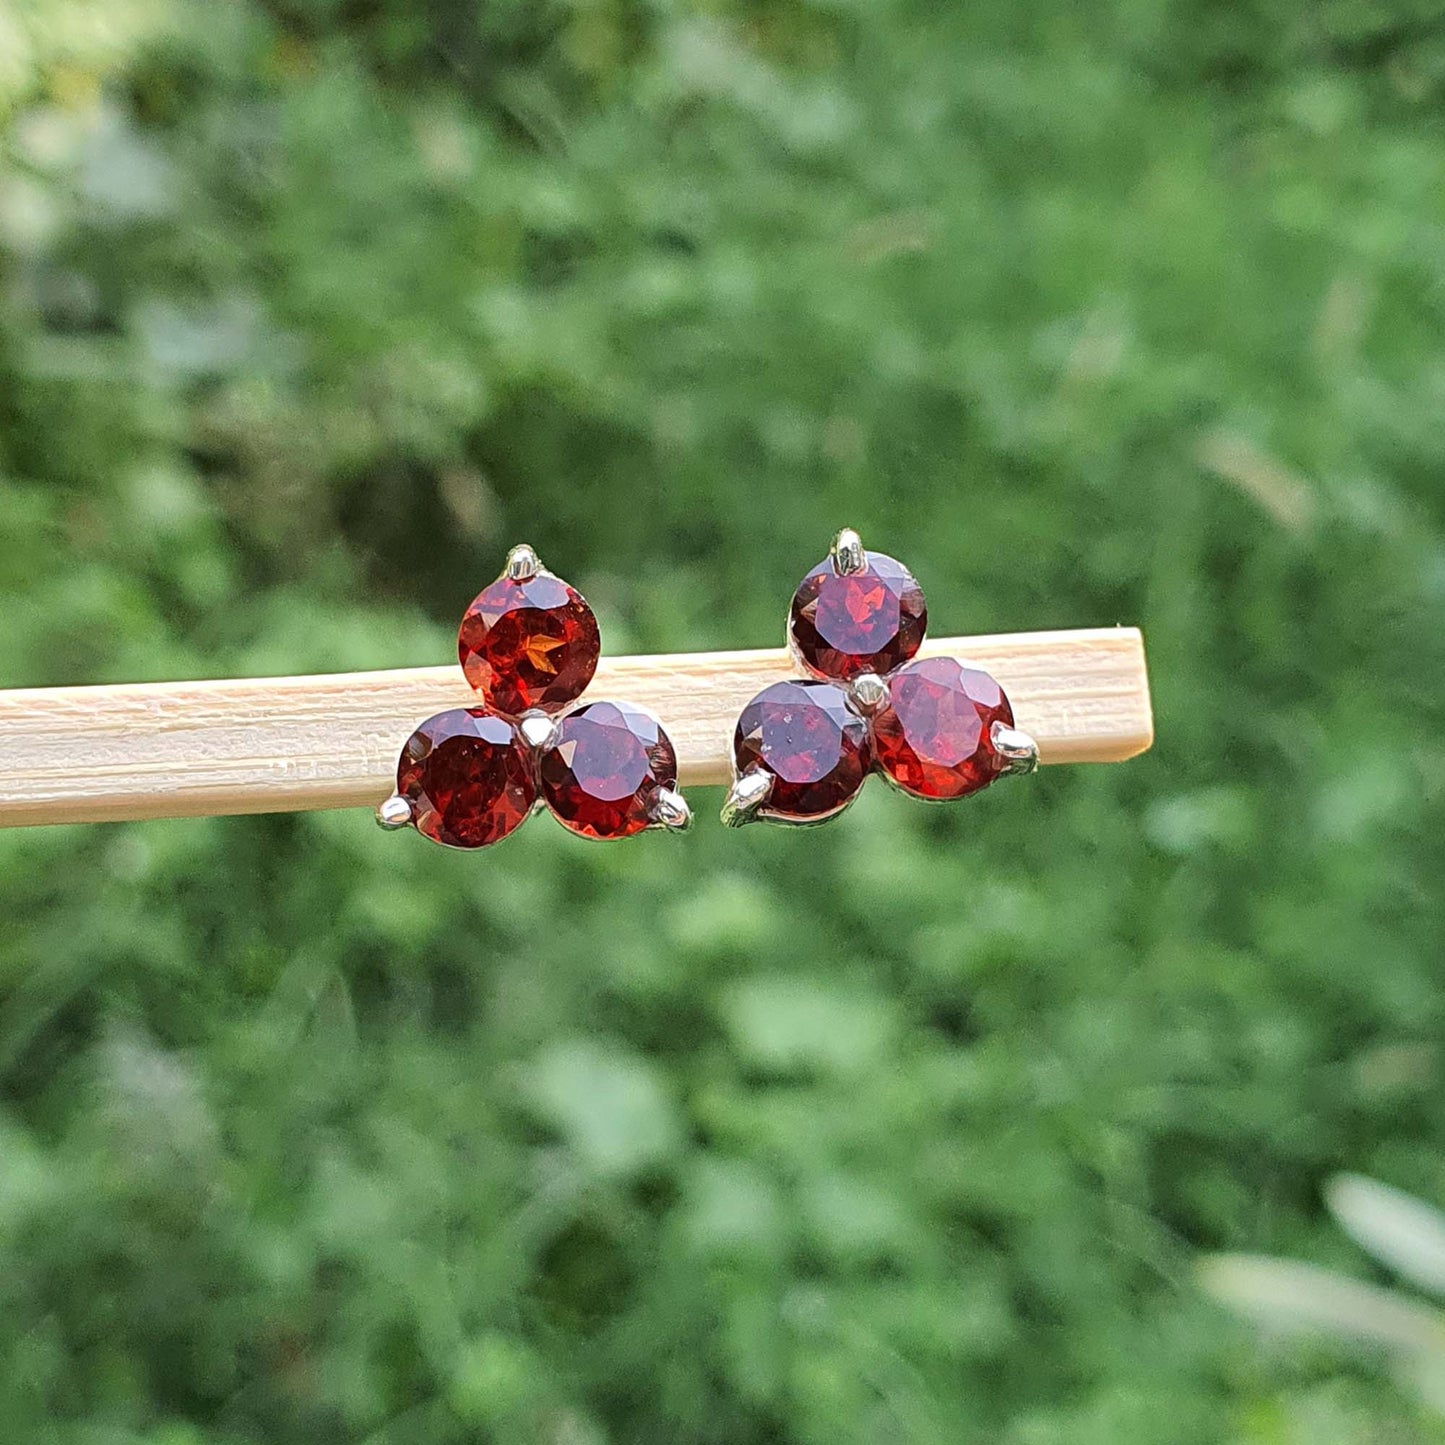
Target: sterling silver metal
(1019, 751)
(537, 730)
(847, 552)
(671, 811)
(394, 813)
(522, 564)
(868, 693)
(747, 794)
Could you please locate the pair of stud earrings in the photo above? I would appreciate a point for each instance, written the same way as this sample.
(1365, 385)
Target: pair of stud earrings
(529, 644)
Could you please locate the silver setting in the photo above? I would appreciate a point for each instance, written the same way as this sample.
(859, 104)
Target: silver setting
(522, 564)
(394, 813)
(747, 794)
(1018, 750)
(848, 554)
(778, 821)
(538, 730)
(868, 693)
(670, 811)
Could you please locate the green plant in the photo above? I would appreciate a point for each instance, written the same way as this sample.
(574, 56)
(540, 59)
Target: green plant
(1405, 1235)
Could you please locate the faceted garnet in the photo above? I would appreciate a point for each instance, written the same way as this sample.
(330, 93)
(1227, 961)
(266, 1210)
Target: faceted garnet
(468, 778)
(933, 737)
(844, 623)
(812, 744)
(529, 643)
(602, 775)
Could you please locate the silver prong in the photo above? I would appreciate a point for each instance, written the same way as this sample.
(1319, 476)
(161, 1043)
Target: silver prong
(1018, 750)
(848, 554)
(869, 692)
(747, 794)
(522, 564)
(538, 731)
(394, 813)
(670, 810)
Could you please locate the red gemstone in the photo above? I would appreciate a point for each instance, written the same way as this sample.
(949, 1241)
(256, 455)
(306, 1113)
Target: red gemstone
(530, 643)
(812, 743)
(603, 774)
(933, 738)
(468, 778)
(844, 623)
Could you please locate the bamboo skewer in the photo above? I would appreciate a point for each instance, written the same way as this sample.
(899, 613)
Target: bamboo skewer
(264, 745)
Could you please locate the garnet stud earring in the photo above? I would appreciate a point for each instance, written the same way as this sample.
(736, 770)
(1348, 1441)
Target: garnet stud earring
(934, 727)
(468, 777)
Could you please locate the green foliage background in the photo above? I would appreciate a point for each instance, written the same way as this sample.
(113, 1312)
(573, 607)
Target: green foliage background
(905, 1130)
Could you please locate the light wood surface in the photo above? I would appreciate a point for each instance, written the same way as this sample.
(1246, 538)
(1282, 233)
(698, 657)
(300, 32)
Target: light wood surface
(266, 745)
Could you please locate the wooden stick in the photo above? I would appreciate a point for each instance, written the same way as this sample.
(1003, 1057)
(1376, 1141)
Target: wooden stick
(266, 745)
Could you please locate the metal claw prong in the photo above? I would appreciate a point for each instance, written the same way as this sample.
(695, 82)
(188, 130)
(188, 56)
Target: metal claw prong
(747, 794)
(848, 554)
(869, 692)
(522, 564)
(394, 813)
(538, 730)
(670, 811)
(1018, 750)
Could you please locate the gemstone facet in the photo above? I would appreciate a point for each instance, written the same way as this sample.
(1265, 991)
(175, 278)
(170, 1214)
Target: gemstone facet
(602, 775)
(467, 777)
(933, 737)
(529, 643)
(845, 623)
(811, 742)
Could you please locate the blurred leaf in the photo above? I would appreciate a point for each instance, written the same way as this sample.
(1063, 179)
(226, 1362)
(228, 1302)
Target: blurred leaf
(608, 1104)
(788, 1022)
(1300, 1298)
(1403, 1233)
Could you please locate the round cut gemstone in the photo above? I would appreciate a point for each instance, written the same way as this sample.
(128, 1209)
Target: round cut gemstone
(934, 736)
(811, 743)
(602, 775)
(529, 643)
(844, 623)
(467, 777)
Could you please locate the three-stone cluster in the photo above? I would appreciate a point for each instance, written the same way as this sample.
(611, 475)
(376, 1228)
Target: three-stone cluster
(468, 777)
(933, 726)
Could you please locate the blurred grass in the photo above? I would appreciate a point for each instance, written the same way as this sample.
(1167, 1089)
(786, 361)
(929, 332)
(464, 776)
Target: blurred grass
(908, 1130)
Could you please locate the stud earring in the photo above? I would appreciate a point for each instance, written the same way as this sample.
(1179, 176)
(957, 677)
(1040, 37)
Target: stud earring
(934, 727)
(468, 777)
